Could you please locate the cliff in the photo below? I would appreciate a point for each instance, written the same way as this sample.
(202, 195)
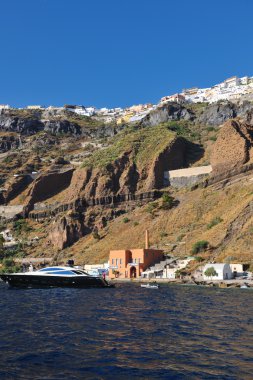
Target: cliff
(85, 184)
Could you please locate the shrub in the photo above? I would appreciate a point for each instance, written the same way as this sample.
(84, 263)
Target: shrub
(126, 220)
(136, 224)
(163, 234)
(199, 259)
(214, 222)
(151, 207)
(96, 235)
(21, 226)
(9, 266)
(199, 246)
(167, 201)
(180, 237)
(213, 138)
(210, 272)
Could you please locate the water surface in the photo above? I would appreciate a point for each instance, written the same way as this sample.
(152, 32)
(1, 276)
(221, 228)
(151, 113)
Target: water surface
(176, 332)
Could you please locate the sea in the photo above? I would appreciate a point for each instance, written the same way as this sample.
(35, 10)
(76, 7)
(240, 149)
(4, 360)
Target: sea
(126, 332)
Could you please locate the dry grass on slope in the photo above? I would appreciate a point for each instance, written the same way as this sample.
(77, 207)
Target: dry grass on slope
(203, 214)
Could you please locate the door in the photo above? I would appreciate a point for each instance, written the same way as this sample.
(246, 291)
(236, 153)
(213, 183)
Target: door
(133, 272)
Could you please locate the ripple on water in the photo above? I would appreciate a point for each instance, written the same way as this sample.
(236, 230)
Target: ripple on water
(126, 333)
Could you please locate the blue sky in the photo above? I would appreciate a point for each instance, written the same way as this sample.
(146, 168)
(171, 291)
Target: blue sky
(119, 52)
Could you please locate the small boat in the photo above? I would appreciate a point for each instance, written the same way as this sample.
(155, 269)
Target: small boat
(244, 286)
(58, 276)
(150, 286)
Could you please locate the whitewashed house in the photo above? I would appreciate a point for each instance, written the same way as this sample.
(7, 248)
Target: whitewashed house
(237, 269)
(223, 272)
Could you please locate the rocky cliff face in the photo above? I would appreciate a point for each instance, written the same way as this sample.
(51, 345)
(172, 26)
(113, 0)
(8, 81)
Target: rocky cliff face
(168, 112)
(9, 142)
(48, 184)
(66, 230)
(55, 124)
(233, 147)
(213, 114)
(125, 176)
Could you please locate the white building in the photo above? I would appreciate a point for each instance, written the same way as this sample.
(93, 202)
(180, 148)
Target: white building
(231, 88)
(96, 269)
(171, 269)
(35, 107)
(4, 106)
(232, 82)
(237, 269)
(223, 272)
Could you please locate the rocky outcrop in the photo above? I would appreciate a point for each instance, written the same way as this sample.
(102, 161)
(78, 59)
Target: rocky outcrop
(125, 176)
(14, 187)
(168, 112)
(233, 147)
(213, 114)
(8, 142)
(56, 124)
(49, 184)
(173, 157)
(66, 230)
(23, 126)
(217, 113)
(56, 127)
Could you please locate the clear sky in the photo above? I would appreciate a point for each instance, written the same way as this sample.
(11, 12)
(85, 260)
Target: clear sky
(119, 52)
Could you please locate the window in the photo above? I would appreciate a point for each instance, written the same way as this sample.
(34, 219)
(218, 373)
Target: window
(112, 261)
(120, 261)
(116, 261)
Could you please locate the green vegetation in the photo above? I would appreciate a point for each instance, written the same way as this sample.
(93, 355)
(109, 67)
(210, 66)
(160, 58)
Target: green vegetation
(167, 201)
(136, 224)
(9, 266)
(144, 144)
(25, 113)
(21, 226)
(96, 235)
(180, 237)
(151, 207)
(199, 246)
(214, 222)
(82, 121)
(210, 272)
(199, 259)
(126, 220)
(163, 234)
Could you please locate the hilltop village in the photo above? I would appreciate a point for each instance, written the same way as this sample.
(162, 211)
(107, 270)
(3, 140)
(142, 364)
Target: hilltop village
(76, 182)
(233, 88)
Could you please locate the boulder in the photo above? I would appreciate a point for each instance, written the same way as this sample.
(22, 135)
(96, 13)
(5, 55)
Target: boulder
(66, 230)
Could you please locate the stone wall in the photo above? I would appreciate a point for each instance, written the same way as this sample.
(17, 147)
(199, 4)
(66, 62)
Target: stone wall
(186, 177)
(9, 212)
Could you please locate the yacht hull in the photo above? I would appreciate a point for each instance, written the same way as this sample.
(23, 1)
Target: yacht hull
(42, 281)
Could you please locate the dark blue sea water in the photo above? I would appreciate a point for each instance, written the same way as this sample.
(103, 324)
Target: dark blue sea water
(176, 332)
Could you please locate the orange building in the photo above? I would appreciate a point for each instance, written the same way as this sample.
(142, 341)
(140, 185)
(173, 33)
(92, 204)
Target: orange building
(130, 263)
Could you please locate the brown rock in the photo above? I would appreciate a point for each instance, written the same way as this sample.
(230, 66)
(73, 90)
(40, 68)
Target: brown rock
(67, 230)
(232, 147)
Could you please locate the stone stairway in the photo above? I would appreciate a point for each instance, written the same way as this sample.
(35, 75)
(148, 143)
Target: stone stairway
(161, 265)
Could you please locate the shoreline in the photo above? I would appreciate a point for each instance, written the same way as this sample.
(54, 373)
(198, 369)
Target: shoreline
(235, 283)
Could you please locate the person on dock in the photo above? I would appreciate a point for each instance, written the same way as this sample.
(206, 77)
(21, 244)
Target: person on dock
(30, 267)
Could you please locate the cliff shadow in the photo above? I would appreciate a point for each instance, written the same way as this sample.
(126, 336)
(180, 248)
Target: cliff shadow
(193, 153)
